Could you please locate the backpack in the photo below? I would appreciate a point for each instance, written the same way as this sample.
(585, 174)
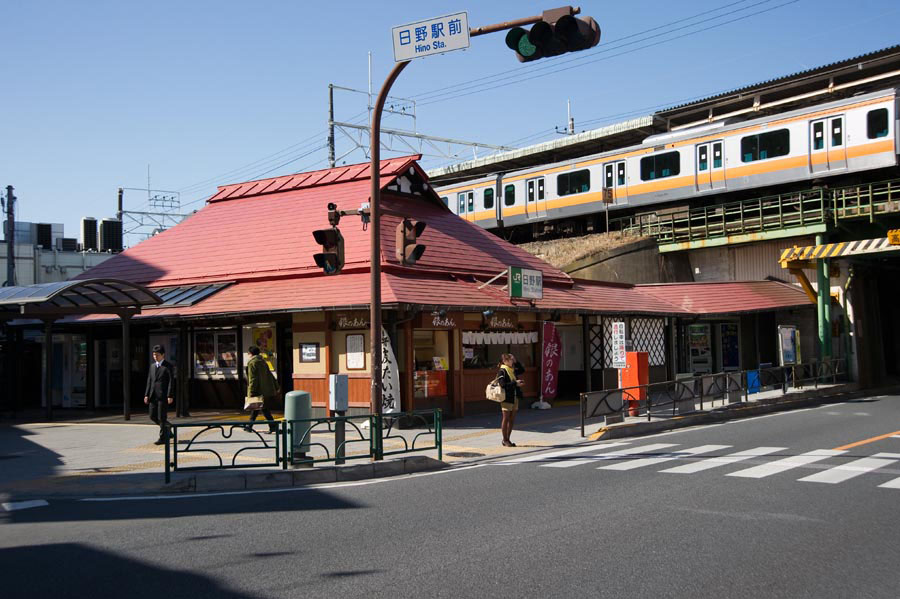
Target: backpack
(494, 391)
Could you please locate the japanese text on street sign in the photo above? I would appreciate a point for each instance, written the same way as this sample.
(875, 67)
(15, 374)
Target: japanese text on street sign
(432, 36)
(527, 283)
(618, 345)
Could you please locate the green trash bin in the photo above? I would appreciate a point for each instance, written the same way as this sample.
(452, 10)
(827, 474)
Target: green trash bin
(298, 406)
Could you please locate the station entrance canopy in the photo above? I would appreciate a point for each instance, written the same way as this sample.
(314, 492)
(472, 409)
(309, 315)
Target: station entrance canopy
(51, 301)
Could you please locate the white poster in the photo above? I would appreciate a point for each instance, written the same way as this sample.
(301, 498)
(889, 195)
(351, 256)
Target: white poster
(390, 377)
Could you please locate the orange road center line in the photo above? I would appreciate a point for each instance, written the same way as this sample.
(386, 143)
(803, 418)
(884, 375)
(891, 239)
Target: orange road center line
(866, 441)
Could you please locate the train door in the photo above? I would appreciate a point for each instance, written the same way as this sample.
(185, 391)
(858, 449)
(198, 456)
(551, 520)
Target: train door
(466, 204)
(615, 181)
(710, 166)
(837, 143)
(818, 146)
(703, 175)
(535, 198)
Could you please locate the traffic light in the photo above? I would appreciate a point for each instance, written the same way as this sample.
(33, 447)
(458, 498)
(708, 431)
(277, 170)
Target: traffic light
(331, 259)
(559, 31)
(408, 251)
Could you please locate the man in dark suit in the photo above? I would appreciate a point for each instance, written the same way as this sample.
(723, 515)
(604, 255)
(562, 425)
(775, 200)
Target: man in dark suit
(160, 392)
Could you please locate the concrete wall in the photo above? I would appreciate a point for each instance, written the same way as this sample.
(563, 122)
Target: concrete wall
(35, 265)
(637, 262)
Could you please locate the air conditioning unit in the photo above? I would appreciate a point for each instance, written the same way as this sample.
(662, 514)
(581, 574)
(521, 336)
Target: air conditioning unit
(89, 233)
(110, 235)
(66, 244)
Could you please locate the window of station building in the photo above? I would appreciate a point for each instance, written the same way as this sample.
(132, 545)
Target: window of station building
(660, 166)
(837, 132)
(877, 123)
(509, 195)
(574, 182)
(488, 198)
(765, 145)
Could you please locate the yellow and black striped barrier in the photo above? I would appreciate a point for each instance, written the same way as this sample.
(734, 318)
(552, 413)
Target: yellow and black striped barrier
(841, 249)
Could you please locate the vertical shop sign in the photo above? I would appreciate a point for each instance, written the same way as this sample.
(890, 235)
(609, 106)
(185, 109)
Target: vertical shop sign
(550, 355)
(390, 377)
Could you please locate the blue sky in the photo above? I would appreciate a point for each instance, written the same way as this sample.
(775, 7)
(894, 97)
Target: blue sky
(213, 92)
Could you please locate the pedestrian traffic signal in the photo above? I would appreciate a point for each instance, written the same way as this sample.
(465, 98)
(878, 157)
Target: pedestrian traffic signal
(408, 251)
(559, 31)
(331, 258)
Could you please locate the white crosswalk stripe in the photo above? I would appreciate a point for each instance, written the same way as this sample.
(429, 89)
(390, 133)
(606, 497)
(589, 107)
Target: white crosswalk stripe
(611, 455)
(843, 472)
(709, 463)
(673, 455)
(785, 464)
(891, 484)
(554, 455)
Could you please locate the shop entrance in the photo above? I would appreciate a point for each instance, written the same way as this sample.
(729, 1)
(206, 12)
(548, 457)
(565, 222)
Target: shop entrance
(431, 355)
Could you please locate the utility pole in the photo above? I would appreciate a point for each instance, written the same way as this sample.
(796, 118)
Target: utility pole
(10, 237)
(330, 125)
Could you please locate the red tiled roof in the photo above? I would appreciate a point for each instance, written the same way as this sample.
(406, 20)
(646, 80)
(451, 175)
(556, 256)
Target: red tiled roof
(732, 297)
(240, 235)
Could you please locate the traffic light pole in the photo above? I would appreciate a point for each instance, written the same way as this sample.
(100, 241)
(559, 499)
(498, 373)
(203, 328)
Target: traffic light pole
(375, 239)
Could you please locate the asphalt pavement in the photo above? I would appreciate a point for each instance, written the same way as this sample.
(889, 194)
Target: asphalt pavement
(793, 504)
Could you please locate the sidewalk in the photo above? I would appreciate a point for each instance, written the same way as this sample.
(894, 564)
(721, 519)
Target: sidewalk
(103, 455)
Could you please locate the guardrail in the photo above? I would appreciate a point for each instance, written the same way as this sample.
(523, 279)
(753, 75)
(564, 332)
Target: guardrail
(291, 442)
(683, 395)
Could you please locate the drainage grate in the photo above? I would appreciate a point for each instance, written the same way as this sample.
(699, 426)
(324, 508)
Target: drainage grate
(464, 454)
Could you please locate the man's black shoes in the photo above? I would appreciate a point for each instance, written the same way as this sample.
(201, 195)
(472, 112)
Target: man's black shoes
(159, 442)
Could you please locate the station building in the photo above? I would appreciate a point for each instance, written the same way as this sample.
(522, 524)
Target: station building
(241, 272)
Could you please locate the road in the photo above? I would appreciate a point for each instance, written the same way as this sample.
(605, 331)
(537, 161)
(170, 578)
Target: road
(794, 504)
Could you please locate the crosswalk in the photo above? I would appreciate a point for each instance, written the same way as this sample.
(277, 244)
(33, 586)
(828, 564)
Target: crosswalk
(759, 462)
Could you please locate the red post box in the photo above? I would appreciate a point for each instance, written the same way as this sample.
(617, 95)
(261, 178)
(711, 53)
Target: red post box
(635, 373)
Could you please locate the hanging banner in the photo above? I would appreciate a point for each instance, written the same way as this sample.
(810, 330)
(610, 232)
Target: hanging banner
(550, 354)
(390, 377)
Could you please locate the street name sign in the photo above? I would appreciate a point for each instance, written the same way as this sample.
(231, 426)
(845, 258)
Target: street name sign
(432, 36)
(526, 283)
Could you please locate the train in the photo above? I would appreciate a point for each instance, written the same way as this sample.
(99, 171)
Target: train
(858, 134)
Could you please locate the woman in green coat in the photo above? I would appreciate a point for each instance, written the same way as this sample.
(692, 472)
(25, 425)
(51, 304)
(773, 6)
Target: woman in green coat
(261, 383)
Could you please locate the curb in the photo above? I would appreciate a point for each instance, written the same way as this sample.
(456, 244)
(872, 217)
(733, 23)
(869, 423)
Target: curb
(728, 412)
(301, 477)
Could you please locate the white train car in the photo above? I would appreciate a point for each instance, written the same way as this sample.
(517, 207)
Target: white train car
(831, 139)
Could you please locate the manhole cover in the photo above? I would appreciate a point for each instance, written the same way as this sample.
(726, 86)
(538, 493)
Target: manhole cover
(464, 454)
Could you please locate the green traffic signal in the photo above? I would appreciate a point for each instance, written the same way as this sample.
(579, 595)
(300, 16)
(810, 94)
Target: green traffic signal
(558, 32)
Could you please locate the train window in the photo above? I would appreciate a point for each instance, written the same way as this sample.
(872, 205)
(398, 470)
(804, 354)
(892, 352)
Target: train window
(574, 182)
(541, 188)
(471, 201)
(659, 166)
(765, 145)
(837, 132)
(703, 158)
(877, 123)
(717, 155)
(446, 201)
(621, 173)
(509, 195)
(608, 175)
(529, 190)
(818, 135)
(488, 198)
(462, 203)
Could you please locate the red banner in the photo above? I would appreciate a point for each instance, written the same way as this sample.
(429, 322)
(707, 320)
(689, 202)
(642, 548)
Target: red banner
(550, 353)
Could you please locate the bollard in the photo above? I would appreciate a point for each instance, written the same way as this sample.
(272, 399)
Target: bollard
(297, 406)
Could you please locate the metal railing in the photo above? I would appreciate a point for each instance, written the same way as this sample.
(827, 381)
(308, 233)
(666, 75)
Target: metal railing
(768, 213)
(291, 442)
(684, 395)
